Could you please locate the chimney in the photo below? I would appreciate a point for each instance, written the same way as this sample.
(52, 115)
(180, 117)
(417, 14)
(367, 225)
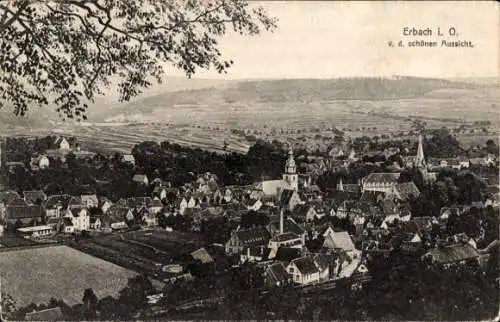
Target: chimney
(281, 220)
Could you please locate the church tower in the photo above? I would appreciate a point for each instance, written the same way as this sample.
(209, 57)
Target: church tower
(419, 159)
(290, 176)
(340, 185)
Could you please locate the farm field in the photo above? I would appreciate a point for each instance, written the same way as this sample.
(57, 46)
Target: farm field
(123, 138)
(144, 251)
(36, 275)
(203, 118)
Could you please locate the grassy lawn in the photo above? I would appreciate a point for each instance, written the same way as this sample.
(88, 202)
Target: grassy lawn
(36, 275)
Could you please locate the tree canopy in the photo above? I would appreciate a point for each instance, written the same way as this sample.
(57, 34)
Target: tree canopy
(66, 52)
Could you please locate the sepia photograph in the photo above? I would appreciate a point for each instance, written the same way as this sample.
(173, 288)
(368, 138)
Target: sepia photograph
(166, 160)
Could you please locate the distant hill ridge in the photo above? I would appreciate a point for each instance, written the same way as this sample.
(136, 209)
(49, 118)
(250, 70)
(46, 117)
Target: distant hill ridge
(292, 90)
(177, 92)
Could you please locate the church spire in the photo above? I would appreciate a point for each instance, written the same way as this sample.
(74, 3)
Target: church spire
(419, 159)
(340, 185)
(290, 166)
(290, 175)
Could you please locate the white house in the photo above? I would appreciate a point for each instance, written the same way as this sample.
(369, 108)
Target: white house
(62, 144)
(182, 206)
(67, 226)
(128, 158)
(95, 223)
(191, 203)
(90, 201)
(160, 192)
(141, 179)
(303, 271)
(254, 205)
(105, 205)
(39, 162)
(79, 217)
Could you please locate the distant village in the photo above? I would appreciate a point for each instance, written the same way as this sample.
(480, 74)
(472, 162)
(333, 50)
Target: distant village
(294, 231)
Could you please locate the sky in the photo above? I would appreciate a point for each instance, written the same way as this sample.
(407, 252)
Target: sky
(345, 39)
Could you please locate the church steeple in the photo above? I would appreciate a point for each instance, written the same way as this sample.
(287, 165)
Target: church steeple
(340, 185)
(290, 174)
(419, 159)
(290, 166)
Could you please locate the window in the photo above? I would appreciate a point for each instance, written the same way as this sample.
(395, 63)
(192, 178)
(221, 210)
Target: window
(291, 269)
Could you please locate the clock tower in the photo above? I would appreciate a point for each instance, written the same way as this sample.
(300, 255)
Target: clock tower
(290, 176)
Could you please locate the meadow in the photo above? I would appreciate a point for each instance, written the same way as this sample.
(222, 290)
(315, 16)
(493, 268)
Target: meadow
(36, 275)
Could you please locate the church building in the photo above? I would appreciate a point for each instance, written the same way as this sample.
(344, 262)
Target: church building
(289, 180)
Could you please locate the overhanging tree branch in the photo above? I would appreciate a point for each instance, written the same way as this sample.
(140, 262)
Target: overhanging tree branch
(77, 47)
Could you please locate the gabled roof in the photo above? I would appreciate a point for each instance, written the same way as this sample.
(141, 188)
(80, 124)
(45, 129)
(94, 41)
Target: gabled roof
(423, 223)
(270, 187)
(253, 236)
(142, 211)
(407, 189)
(117, 214)
(305, 265)
(302, 209)
(75, 202)
(287, 254)
(381, 178)
(158, 189)
(284, 237)
(18, 202)
(139, 178)
(454, 253)
(57, 200)
(59, 140)
(93, 220)
(388, 206)
(7, 196)
(24, 212)
(289, 225)
(33, 196)
(212, 185)
(276, 273)
(340, 240)
(128, 158)
(75, 211)
(323, 261)
(202, 255)
(372, 197)
(139, 202)
(67, 222)
(91, 198)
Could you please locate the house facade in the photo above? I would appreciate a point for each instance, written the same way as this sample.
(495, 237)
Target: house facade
(253, 237)
(79, 217)
(303, 271)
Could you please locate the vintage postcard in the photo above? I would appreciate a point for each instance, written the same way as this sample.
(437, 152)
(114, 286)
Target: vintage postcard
(249, 160)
